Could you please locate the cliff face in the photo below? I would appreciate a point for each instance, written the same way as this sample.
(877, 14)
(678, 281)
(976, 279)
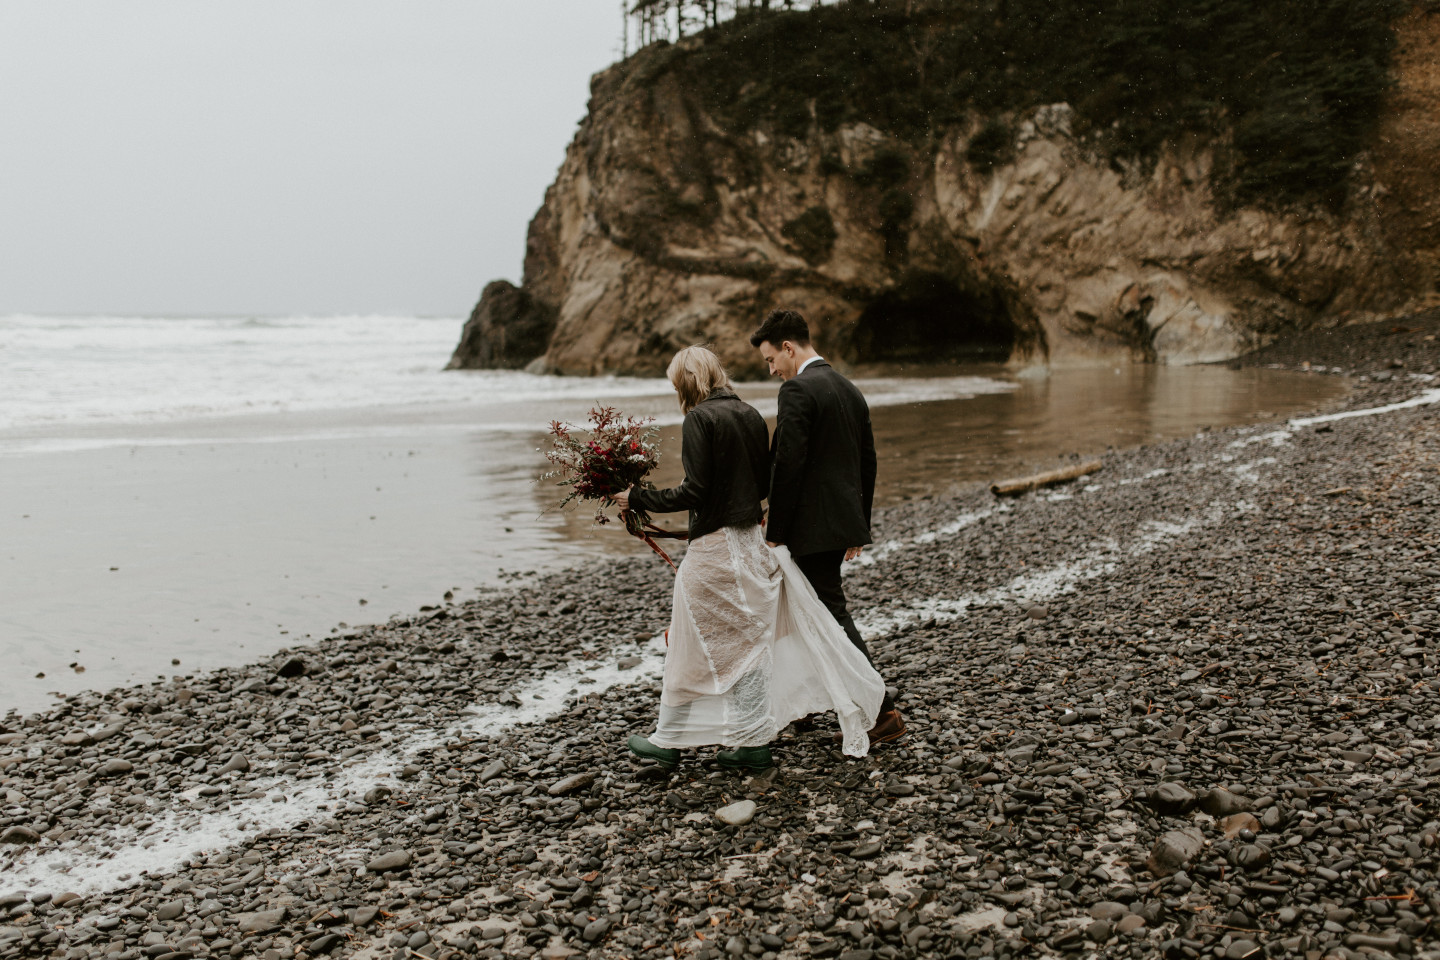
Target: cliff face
(989, 240)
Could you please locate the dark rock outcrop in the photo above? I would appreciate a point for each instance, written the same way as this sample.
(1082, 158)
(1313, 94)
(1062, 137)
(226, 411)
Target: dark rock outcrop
(507, 329)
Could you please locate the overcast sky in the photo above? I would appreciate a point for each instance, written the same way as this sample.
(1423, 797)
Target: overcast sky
(281, 156)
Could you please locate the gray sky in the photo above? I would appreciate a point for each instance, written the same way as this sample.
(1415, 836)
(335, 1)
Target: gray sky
(281, 156)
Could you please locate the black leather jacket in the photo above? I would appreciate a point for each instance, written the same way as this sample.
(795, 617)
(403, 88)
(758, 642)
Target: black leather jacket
(725, 453)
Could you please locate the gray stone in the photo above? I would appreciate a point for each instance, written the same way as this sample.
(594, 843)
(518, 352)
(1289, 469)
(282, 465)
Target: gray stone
(294, 667)
(394, 860)
(1220, 802)
(1171, 799)
(1389, 942)
(737, 814)
(19, 834)
(236, 764)
(1240, 949)
(596, 929)
(324, 944)
(1174, 850)
(116, 767)
(571, 783)
(1108, 910)
(492, 770)
(169, 911)
(261, 922)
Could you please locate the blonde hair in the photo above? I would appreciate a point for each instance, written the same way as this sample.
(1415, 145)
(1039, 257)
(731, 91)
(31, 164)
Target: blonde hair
(696, 372)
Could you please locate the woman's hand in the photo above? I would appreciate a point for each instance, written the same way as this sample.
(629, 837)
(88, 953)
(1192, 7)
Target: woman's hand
(622, 500)
(854, 553)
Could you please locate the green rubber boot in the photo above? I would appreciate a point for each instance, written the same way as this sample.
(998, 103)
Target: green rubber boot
(754, 759)
(669, 759)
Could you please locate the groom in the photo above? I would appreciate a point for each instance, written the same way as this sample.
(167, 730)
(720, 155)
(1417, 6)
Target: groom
(822, 480)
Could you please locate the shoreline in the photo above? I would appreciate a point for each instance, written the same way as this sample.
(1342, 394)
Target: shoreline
(122, 561)
(1181, 618)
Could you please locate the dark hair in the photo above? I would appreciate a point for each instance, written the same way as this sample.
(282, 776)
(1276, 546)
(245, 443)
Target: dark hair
(782, 325)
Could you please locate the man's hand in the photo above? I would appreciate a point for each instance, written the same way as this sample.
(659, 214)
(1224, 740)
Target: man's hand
(853, 553)
(771, 543)
(622, 500)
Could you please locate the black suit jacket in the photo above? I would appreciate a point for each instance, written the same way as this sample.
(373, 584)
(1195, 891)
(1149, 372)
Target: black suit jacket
(822, 480)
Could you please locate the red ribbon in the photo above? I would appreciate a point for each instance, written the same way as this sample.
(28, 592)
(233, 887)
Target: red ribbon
(637, 528)
(650, 542)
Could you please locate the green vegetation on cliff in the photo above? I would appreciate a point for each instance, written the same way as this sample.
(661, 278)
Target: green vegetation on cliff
(1293, 86)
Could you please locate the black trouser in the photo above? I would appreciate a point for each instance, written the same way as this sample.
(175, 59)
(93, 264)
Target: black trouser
(823, 571)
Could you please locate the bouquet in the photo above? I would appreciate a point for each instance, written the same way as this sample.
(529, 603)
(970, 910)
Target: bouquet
(619, 454)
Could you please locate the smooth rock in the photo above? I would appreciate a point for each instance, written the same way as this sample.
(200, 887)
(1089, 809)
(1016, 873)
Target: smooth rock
(261, 922)
(571, 783)
(294, 667)
(1108, 910)
(1174, 850)
(737, 814)
(236, 764)
(19, 834)
(1171, 799)
(1219, 802)
(394, 860)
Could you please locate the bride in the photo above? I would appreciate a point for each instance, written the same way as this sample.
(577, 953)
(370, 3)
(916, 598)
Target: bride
(751, 647)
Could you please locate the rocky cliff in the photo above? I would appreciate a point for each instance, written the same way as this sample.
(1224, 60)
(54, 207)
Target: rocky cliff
(997, 235)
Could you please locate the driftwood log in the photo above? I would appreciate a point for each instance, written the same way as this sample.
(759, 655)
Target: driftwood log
(1013, 488)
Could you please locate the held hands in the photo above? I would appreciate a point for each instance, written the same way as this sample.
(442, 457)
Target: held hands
(853, 553)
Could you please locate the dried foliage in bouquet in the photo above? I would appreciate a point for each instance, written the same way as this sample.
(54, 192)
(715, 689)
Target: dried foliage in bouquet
(619, 452)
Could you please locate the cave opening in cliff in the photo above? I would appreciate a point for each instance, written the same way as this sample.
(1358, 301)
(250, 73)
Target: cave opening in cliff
(929, 318)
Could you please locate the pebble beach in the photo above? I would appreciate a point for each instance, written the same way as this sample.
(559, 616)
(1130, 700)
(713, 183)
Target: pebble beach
(1184, 707)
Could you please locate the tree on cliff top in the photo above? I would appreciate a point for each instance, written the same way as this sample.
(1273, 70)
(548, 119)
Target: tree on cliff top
(652, 20)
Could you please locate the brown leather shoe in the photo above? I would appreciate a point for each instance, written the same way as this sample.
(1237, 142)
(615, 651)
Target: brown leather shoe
(889, 727)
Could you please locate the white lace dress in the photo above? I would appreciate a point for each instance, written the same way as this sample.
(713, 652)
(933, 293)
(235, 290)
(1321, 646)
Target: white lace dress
(752, 648)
